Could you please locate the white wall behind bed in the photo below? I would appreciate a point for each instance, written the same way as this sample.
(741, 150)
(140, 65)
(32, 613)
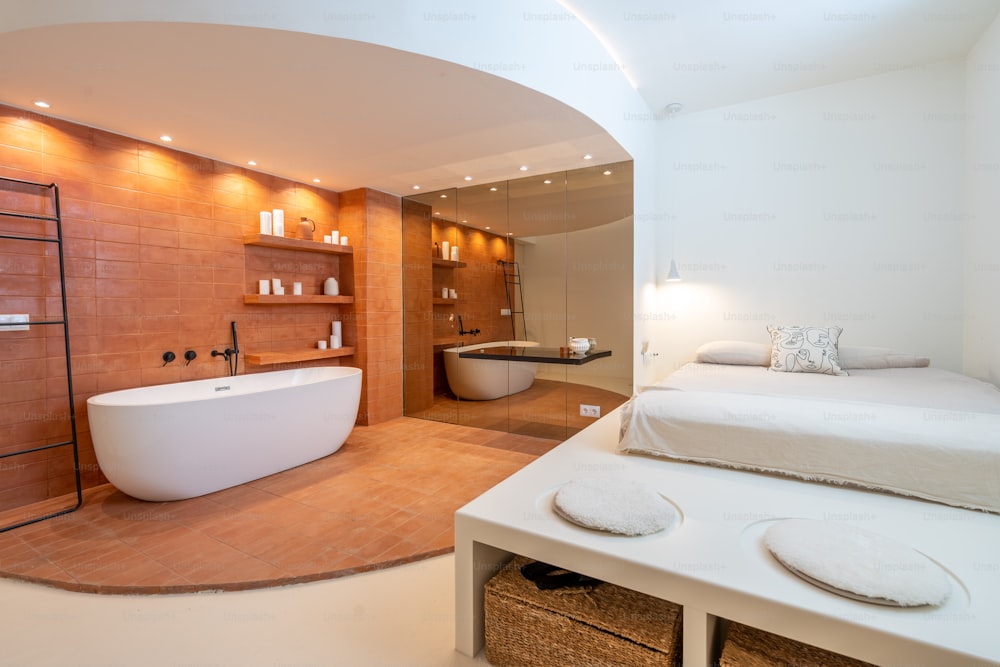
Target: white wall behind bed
(982, 262)
(841, 204)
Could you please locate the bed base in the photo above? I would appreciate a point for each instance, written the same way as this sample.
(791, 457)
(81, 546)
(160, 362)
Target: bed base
(715, 566)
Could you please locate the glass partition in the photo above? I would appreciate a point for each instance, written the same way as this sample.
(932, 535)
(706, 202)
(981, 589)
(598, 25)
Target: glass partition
(529, 263)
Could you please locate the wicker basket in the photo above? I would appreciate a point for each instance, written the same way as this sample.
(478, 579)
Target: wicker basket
(750, 647)
(601, 625)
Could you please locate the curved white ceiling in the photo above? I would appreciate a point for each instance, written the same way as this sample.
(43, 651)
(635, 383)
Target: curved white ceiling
(355, 114)
(302, 106)
(714, 53)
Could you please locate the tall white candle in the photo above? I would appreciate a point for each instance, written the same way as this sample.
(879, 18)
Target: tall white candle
(264, 286)
(278, 222)
(337, 329)
(445, 253)
(265, 222)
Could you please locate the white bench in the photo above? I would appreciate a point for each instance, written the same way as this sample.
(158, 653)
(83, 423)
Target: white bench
(715, 566)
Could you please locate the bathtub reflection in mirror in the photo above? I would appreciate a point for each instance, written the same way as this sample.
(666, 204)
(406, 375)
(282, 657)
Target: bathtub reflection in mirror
(533, 260)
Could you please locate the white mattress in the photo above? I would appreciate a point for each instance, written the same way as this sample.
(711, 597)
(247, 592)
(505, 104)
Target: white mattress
(921, 432)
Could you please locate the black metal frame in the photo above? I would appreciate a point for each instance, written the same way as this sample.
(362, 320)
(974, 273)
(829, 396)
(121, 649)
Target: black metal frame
(58, 240)
(512, 277)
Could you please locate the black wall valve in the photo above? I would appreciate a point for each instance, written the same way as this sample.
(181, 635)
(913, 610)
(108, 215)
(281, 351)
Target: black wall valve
(168, 357)
(190, 355)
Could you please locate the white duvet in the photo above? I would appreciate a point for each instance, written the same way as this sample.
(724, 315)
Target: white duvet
(920, 432)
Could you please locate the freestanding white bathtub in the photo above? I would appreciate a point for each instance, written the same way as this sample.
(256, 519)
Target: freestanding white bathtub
(488, 379)
(186, 439)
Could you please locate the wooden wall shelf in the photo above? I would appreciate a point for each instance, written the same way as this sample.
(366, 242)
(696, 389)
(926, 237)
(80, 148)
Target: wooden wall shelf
(438, 261)
(438, 301)
(268, 358)
(286, 243)
(286, 299)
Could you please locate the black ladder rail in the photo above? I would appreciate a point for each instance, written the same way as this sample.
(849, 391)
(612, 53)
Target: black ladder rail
(515, 300)
(73, 441)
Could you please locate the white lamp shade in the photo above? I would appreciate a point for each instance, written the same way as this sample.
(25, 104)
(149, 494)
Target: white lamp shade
(673, 276)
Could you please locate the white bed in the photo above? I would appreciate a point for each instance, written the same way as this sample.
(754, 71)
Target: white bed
(715, 564)
(921, 432)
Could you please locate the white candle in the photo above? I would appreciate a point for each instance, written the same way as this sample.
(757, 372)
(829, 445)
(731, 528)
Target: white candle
(278, 222)
(321, 344)
(264, 286)
(335, 237)
(275, 284)
(297, 289)
(343, 240)
(444, 292)
(265, 222)
(327, 238)
(335, 342)
(444, 250)
(336, 329)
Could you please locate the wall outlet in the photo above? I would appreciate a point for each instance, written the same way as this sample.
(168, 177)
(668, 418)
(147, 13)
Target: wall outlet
(505, 312)
(590, 410)
(7, 320)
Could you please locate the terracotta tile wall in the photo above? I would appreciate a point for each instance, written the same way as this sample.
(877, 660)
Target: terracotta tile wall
(418, 324)
(155, 261)
(480, 289)
(375, 218)
(479, 285)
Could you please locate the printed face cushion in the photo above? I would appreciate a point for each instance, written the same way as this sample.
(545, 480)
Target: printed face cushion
(805, 350)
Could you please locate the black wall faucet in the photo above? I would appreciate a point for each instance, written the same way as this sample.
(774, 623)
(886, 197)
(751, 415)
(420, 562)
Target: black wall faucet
(230, 354)
(463, 331)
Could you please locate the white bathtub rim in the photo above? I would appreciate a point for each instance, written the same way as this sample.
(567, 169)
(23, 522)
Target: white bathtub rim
(172, 393)
(499, 343)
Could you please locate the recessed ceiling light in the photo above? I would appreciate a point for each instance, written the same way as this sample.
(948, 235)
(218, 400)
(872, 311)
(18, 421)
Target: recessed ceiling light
(443, 196)
(493, 189)
(524, 167)
(547, 181)
(42, 104)
(673, 108)
(416, 187)
(468, 178)
(607, 172)
(510, 233)
(588, 156)
(316, 180)
(252, 163)
(166, 137)
(488, 227)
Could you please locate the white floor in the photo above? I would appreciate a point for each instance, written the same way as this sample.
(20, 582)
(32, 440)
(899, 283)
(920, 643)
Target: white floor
(400, 616)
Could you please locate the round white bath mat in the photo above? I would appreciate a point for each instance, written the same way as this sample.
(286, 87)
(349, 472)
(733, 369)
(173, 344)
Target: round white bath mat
(857, 563)
(615, 506)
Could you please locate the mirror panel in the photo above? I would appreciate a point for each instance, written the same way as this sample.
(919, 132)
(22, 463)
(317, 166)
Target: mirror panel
(556, 252)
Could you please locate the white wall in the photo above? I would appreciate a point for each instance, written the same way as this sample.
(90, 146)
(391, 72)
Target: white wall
(982, 239)
(842, 204)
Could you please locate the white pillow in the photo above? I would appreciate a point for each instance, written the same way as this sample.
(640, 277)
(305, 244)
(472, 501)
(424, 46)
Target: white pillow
(734, 352)
(879, 357)
(805, 350)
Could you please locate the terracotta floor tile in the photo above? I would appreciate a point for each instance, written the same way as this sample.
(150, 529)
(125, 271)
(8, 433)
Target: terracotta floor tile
(388, 496)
